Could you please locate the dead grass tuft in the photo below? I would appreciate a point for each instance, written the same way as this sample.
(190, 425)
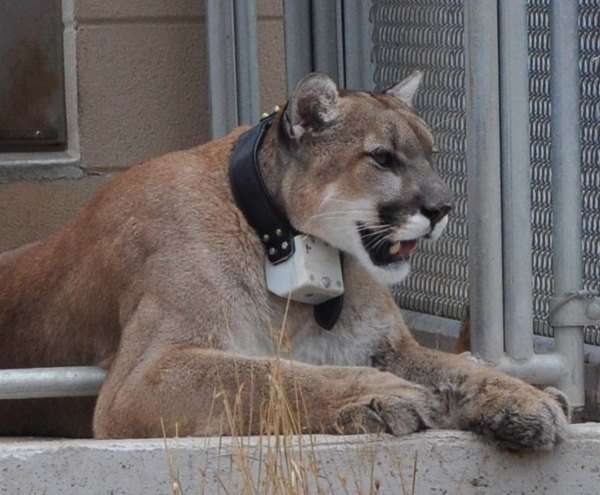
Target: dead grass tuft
(283, 459)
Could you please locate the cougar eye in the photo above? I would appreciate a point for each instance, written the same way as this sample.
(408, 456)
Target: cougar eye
(384, 158)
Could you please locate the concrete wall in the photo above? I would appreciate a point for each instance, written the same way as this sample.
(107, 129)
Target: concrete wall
(137, 87)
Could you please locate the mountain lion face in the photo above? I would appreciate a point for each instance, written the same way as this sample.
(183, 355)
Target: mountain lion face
(359, 172)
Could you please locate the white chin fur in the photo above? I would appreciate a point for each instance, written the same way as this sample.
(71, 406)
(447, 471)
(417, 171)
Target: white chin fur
(387, 275)
(390, 274)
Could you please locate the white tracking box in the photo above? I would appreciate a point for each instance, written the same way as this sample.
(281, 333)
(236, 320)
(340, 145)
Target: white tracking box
(312, 275)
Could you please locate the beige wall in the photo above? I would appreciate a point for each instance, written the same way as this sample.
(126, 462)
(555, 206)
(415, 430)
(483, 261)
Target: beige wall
(142, 79)
(141, 84)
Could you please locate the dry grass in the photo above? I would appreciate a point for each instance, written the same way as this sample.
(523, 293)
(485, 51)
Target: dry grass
(283, 459)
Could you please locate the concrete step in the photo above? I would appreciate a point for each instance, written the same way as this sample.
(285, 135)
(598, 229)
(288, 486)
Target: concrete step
(435, 462)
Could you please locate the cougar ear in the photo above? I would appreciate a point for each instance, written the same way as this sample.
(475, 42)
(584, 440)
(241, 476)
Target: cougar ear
(406, 89)
(313, 106)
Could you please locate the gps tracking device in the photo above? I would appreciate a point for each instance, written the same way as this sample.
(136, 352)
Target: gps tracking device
(312, 275)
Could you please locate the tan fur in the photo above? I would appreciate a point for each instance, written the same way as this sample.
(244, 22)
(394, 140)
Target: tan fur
(160, 281)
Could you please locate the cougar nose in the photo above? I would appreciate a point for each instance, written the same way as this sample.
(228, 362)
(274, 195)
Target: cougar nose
(436, 213)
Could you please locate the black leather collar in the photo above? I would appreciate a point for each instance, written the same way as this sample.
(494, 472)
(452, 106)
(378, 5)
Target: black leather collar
(252, 197)
(263, 215)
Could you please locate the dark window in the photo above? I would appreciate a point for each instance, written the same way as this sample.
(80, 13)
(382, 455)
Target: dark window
(32, 105)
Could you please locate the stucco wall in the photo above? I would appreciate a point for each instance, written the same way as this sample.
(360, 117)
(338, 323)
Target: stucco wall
(137, 87)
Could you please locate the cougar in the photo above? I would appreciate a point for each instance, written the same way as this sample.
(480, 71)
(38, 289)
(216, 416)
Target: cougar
(160, 281)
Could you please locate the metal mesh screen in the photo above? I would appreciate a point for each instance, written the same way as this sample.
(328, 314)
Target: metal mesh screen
(427, 34)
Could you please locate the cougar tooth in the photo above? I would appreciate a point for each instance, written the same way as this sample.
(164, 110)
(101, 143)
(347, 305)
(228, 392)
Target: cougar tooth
(395, 249)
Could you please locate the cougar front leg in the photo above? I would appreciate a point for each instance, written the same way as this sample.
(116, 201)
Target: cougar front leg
(481, 399)
(208, 392)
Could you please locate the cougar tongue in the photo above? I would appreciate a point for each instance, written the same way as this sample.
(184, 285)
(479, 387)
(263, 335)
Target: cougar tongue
(403, 249)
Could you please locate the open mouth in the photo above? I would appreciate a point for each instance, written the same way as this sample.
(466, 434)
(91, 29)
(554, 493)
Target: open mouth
(381, 250)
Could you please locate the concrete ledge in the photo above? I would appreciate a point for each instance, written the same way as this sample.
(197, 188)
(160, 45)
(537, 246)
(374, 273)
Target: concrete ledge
(447, 462)
(48, 165)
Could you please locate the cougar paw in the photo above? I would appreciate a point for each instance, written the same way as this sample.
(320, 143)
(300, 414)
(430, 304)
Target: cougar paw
(525, 418)
(387, 414)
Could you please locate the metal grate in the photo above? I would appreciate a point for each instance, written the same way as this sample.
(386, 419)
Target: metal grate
(541, 197)
(589, 69)
(410, 34)
(429, 35)
(540, 108)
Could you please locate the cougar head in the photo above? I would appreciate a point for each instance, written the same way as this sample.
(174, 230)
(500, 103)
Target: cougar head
(357, 172)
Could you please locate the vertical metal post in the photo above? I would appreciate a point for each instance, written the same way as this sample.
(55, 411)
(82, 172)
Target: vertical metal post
(566, 186)
(516, 179)
(246, 61)
(483, 178)
(313, 39)
(298, 40)
(221, 61)
(327, 39)
(358, 44)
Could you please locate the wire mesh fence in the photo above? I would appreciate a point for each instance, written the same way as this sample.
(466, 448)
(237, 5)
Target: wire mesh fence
(428, 34)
